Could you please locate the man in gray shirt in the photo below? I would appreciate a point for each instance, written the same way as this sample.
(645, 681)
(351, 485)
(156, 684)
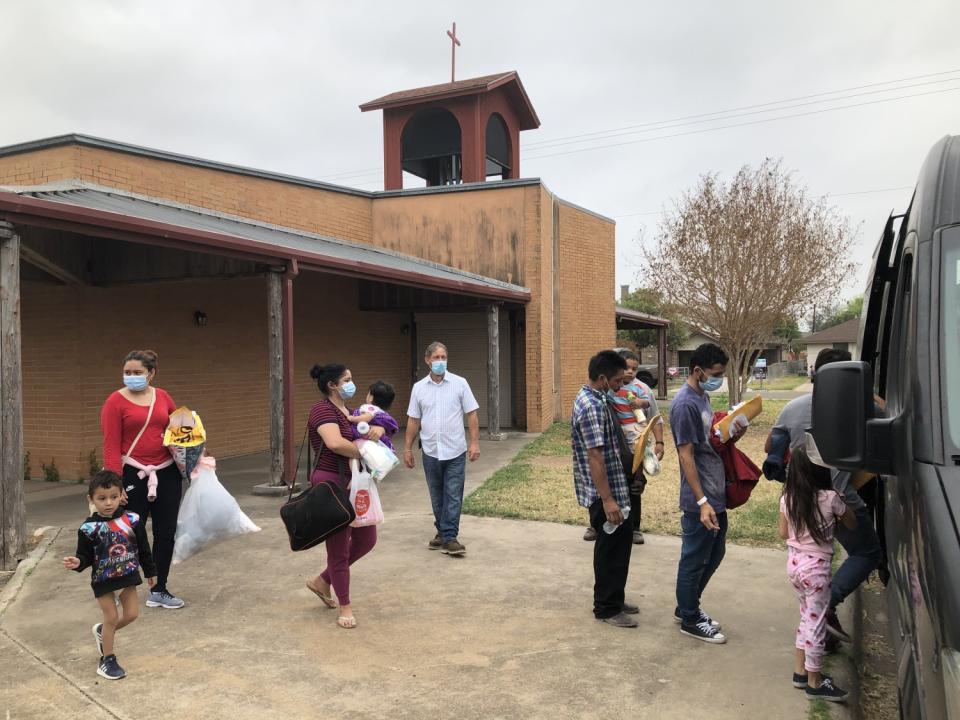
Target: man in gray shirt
(861, 543)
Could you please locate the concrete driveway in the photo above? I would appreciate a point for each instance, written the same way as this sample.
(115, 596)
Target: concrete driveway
(505, 632)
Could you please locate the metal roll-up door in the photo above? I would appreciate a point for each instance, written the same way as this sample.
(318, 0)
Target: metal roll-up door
(465, 335)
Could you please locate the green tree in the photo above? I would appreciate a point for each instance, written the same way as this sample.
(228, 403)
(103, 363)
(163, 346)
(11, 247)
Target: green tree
(650, 301)
(788, 331)
(850, 311)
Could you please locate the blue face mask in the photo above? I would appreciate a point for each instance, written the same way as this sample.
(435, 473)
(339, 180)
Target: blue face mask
(136, 383)
(438, 367)
(347, 390)
(709, 384)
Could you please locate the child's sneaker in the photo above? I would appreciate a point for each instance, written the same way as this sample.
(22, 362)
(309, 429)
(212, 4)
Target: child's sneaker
(827, 691)
(704, 631)
(703, 618)
(165, 600)
(110, 668)
(98, 636)
(799, 681)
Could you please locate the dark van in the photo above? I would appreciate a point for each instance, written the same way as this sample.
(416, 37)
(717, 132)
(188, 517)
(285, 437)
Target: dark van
(910, 357)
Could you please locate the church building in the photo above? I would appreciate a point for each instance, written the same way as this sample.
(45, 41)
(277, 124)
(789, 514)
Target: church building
(241, 279)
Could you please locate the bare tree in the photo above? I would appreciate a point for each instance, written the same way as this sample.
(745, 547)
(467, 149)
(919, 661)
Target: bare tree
(734, 258)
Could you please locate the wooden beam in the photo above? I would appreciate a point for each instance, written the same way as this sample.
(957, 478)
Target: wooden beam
(493, 371)
(13, 520)
(29, 255)
(275, 281)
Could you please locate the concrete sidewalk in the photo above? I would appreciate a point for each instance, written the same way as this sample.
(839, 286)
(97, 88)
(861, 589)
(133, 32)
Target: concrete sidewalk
(505, 632)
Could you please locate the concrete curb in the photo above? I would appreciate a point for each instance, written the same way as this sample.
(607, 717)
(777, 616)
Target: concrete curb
(24, 569)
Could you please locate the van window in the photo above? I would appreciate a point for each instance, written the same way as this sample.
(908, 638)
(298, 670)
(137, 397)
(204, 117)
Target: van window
(950, 316)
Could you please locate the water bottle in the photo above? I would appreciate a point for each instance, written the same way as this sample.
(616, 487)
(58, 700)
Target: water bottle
(363, 428)
(609, 528)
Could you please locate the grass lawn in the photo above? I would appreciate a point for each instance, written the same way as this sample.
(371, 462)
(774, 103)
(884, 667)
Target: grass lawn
(538, 485)
(788, 382)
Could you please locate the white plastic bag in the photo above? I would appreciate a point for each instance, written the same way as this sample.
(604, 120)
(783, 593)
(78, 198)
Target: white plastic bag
(378, 458)
(208, 514)
(364, 497)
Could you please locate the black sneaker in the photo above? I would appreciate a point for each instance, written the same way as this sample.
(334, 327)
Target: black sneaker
(436, 543)
(703, 618)
(637, 537)
(590, 535)
(621, 620)
(835, 628)
(827, 691)
(98, 636)
(800, 681)
(453, 547)
(110, 668)
(704, 631)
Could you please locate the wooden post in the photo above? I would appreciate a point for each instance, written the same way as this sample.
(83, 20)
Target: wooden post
(662, 363)
(13, 519)
(287, 431)
(275, 283)
(493, 371)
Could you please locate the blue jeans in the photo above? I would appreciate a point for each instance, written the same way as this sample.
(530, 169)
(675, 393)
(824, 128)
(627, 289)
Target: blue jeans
(700, 554)
(863, 556)
(445, 481)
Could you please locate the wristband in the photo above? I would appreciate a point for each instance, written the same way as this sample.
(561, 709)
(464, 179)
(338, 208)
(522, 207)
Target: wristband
(659, 442)
(408, 451)
(702, 501)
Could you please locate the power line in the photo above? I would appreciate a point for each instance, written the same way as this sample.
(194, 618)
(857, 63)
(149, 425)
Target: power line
(696, 118)
(750, 107)
(739, 115)
(743, 124)
(843, 194)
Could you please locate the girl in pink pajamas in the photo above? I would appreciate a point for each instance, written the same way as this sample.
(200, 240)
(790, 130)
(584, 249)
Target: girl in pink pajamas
(809, 510)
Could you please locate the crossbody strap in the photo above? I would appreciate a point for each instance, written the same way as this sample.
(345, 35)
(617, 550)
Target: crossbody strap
(296, 472)
(153, 401)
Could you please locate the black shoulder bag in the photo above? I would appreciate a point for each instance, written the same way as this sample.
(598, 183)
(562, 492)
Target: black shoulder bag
(319, 511)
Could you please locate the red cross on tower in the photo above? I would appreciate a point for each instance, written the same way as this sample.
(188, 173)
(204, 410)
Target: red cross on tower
(454, 41)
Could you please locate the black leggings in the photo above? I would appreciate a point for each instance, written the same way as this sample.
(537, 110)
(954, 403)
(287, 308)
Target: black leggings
(163, 510)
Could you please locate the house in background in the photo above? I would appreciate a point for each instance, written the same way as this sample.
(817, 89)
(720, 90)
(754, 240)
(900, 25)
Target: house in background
(839, 337)
(773, 352)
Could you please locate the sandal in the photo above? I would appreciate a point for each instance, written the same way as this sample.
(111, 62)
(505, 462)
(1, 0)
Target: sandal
(347, 623)
(327, 599)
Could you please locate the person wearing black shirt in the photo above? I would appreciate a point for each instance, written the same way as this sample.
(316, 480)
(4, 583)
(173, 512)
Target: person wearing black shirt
(113, 542)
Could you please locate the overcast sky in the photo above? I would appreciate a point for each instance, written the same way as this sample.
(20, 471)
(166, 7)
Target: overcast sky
(276, 86)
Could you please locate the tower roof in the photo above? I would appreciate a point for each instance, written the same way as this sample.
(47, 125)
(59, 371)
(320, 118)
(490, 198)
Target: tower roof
(510, 81)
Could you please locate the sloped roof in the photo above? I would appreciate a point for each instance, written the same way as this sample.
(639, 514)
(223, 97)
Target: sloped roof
(848, 332)
(91, 208)
(459, 88)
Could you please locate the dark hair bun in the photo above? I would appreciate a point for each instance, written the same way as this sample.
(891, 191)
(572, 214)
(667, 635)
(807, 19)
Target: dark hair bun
(328, 373)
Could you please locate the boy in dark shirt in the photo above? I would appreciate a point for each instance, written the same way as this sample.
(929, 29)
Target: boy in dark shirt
(113, 542)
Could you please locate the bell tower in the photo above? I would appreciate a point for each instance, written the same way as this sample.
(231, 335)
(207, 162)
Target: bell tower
(458, 132)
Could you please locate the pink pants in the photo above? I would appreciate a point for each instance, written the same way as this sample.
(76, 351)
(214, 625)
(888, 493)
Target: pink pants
(810, 575)
(344, 548)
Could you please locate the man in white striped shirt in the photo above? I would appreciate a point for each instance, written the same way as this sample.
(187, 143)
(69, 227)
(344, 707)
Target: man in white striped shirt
(438, 405)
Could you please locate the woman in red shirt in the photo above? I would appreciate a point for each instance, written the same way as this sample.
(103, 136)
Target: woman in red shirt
(331, 436)
(133, 421)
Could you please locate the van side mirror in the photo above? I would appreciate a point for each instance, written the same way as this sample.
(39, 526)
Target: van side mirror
(847, 434)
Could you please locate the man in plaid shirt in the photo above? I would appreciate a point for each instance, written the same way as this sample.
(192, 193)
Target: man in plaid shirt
(602, 487)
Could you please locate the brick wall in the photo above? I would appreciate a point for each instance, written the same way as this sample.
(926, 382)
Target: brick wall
(587, 319)
(74, 341)
(316, 210)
